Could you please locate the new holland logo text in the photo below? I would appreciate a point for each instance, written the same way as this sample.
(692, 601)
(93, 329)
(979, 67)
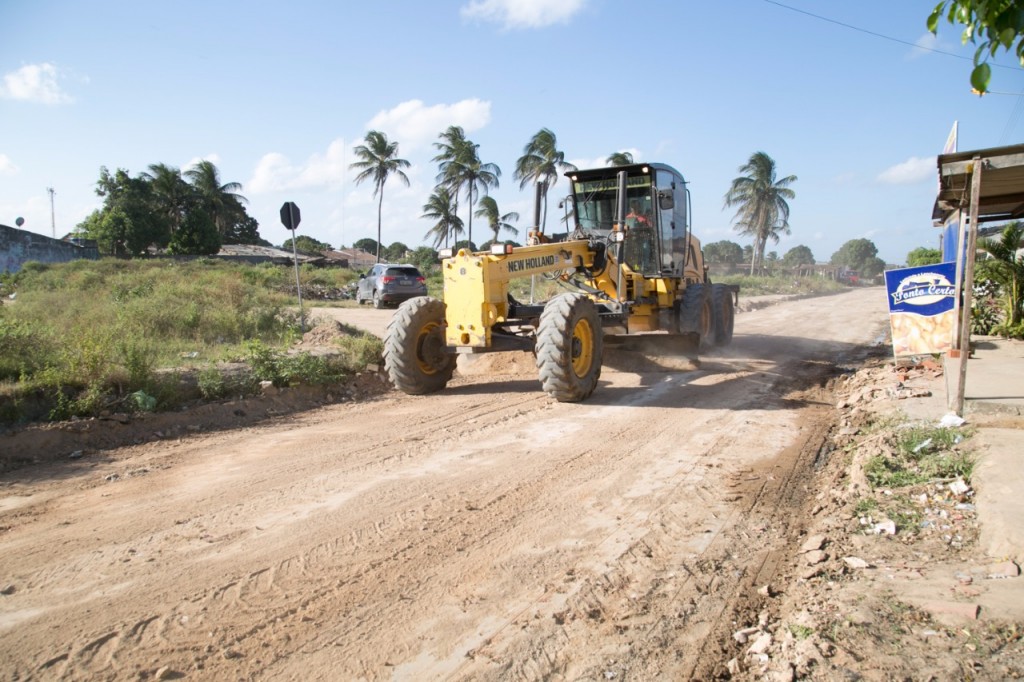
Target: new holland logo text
(923, 289)
(531, 263)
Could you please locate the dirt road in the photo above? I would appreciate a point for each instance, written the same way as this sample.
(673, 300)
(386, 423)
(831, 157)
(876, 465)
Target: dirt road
(484, 532)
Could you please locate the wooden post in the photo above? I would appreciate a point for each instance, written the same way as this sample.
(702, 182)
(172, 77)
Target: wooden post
(968, 287)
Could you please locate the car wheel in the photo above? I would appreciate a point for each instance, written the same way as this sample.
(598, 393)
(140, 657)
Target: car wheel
(377, 302)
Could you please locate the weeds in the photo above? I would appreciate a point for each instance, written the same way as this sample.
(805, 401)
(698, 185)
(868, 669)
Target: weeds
(920, 454)
(800, 632)
(92, 336)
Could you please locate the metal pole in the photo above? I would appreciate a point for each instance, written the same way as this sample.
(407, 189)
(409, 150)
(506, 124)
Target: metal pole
(53, 215)
(298, 285)
(965, 322)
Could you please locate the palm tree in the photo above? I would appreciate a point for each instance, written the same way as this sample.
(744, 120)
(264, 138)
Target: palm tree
(763, 211)
(619, 159)
(462, 170)
(222, 201)
(541, 162)
(476, 177)
(440, 208)
(171, 191)
(378, 159)
(1007, 268)
(488, 208)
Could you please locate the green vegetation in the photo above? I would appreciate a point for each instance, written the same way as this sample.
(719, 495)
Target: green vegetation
(89, 336)
(780, 284)
(800, 632)
(1003, 269)
(922, 255)
(541, 164)
(992, 26)
(860, 255)
(762, 204)
(378, 160)
(920, 454)
(184, 213)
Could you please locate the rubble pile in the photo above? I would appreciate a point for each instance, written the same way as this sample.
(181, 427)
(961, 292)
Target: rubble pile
(884, 581)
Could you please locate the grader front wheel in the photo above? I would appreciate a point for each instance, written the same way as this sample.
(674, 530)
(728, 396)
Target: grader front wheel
(569, 348)
(415, 356)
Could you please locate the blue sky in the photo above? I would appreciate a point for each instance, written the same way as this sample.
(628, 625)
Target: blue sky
(277, 94)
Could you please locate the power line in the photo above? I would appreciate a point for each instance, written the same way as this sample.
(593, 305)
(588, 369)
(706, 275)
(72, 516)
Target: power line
(880, 35)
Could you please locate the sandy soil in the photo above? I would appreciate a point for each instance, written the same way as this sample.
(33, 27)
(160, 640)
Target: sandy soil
(484, 532)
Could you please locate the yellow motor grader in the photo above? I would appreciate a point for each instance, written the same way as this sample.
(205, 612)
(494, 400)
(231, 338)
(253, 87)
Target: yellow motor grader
(631, 268)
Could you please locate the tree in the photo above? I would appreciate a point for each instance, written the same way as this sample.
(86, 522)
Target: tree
(221, 201)
(462, 170)
(197, 235)
(495, 220)
(366, 244)
(397, 252)
(306, 244)
(378, 159)
(425, 258)
(619, 159)
(992, 26)
(440, 208)
(860, 255)
(724, 251)
(1006, 268)
(797, 256)
(763, 209)
(541, 162)
(246, 231)
(451, 148)
(922, 255)
(171, 193)
(128, 223)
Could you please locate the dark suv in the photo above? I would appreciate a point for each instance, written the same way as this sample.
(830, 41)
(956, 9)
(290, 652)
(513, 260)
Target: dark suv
(390, 284)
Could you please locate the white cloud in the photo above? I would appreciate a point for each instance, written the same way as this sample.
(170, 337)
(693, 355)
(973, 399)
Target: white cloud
(7, 166)
(522, 13)
(275, 172)
(212, 158)
(911, 171)
(413, 124)
(34, 83)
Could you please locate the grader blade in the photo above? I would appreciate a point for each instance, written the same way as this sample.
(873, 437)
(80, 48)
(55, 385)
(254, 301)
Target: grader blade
(653, 352)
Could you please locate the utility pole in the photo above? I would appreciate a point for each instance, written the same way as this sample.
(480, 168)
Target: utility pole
(53, 216)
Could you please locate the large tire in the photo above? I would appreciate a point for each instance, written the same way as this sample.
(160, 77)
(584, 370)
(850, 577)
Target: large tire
(569, 348)
(724, 314)
(415, 355)
(695, 313)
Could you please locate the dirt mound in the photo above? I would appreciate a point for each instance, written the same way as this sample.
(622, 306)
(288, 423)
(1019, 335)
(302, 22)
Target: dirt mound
(325, 334)
(511, 363)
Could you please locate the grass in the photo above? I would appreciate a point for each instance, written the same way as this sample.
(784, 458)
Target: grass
(921, 454)
(89, 336)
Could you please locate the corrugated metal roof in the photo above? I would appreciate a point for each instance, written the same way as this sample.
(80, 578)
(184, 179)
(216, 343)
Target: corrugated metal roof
(1002, 183)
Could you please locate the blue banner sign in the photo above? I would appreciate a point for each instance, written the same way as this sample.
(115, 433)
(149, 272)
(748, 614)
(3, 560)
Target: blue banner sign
(921, 308)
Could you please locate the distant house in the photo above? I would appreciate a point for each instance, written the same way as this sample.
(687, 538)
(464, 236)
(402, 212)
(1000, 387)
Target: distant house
(253, 253)
(357, 259)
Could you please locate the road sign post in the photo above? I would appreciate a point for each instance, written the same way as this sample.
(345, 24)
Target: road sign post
(290, 218)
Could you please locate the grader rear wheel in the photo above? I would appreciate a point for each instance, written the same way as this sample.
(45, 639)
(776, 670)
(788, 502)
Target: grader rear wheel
(569, 348)
(415, 356)
(724, 314)
(695, 315)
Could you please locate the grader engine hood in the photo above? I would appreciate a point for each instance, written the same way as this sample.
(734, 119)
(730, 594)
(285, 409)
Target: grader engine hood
(476, 286)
